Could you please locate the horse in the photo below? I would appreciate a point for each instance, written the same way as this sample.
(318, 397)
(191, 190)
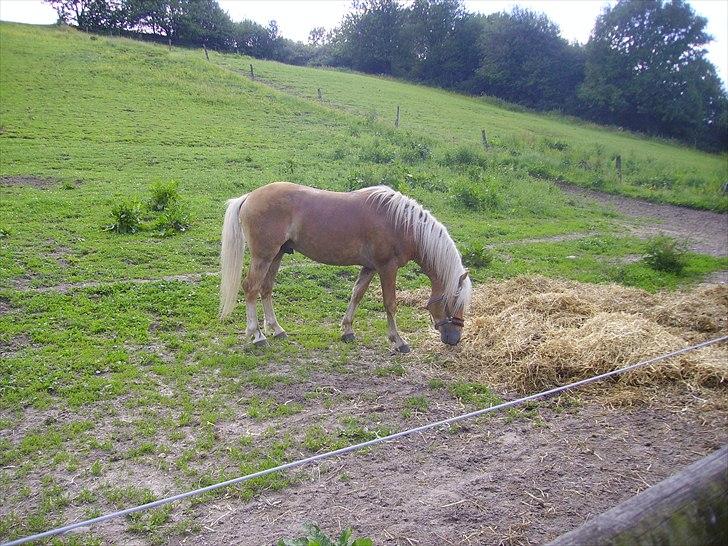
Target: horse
(376, 228)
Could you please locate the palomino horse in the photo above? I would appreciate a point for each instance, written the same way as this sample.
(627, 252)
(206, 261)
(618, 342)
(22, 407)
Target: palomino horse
(377, 228)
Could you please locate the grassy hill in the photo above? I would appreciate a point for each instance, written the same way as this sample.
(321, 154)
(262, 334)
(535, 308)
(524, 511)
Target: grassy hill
(544, 146)
(96, 328)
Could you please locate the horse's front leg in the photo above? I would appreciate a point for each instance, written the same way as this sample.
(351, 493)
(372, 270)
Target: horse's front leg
(252, 284)
(388, 278)
(360, 287)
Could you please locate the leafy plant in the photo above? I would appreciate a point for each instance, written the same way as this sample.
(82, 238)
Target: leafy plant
(476, 197)
(127, 216)
(164, 194)
(665, 254)
(174, 219)
(314, 536)
(463, 156)
(476, 255)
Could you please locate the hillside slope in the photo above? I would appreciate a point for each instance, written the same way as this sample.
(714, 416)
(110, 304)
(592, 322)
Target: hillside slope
(550, 147)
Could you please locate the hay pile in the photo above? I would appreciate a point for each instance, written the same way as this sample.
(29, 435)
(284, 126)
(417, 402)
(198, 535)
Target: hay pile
(532, 333)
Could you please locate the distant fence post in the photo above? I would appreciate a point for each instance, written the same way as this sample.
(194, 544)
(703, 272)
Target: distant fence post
(169, 42)
(320, 97)
(484, 138)
(252, 75)
(396, 121)
(618, 165)
(206, 55)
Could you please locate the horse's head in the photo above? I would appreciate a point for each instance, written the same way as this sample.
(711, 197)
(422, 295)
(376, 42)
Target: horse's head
(446, 319)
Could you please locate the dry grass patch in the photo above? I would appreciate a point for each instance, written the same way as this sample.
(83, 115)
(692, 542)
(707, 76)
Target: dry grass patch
(532, 333)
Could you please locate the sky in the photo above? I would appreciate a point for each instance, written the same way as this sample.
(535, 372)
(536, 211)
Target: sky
(296, 18)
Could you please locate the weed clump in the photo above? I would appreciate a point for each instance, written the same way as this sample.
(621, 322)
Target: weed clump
(127, 217)
(665, 254)
(174, 219)
(164, 194)
(476, 197)
(314, 536)
(465, 156)
(476, 255)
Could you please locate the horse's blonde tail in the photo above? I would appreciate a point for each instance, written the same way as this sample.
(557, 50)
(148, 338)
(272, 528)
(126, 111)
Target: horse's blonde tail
(231, 256)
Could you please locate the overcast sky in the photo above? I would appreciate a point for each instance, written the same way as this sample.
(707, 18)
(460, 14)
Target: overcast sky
(296, 18)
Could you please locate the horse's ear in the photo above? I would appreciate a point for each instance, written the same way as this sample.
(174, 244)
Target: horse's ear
(463, 277)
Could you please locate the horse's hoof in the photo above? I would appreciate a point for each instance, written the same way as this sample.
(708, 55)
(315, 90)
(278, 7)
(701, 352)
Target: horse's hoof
(348, 338)
(261, 343)
(281, 335)
(404, 349)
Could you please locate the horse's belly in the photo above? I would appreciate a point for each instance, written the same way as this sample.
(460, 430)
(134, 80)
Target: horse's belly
(332, 253)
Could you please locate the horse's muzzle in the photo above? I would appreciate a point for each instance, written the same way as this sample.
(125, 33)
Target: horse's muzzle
(450, 336)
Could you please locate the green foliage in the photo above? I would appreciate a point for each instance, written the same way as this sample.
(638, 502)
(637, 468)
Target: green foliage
(664, 253)
(126, 215)
(314, 536)
(164, 194)
(475, 394)
(654, 50)
(174, 219)
(476, 255)
(476, 197)
(523, 59)
(464, 156)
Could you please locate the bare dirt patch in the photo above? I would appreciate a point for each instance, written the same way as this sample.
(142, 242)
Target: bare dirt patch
(29, 181)
(5, 306)
(704, 231)
(14, 345)
(491, 483)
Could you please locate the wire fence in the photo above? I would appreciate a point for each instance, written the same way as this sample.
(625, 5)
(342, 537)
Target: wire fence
(363, 445)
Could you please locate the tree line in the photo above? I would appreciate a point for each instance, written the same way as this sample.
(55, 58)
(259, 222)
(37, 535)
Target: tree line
(644, 67)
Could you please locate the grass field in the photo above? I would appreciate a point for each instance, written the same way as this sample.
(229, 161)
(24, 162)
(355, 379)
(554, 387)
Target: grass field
(100, 370)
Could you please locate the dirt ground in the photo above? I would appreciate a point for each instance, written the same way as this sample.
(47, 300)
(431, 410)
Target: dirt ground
(493, 482)
(704, 231)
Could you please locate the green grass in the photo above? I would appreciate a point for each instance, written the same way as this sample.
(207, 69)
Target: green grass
(546, 146)
(145, 369)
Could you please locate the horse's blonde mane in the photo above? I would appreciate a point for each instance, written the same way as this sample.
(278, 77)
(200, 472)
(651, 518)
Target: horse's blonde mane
(436, 248)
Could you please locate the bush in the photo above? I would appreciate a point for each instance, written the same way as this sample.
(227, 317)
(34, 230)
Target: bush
(665, 254)
(175, 219)
(415, 150)
(314, 536)
(127, 216)
(463, 156)
(476, 255)
(377, 151)
(164, 194)
(476, 197)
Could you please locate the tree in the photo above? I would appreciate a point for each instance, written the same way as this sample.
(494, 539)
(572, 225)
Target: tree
(91, 15)
(442, 40)
(369, 37)
(317, 36)
(646, 70)
(524, 59)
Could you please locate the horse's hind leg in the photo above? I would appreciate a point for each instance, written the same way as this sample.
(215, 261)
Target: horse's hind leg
(251, 285)
(388, 278)
(266, 295)
(360, 286)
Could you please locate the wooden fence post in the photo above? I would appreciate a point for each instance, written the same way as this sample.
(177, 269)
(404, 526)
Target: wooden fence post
(484, 138)
(618, 165)
(206, 55)
(396, 121)
(252, 75)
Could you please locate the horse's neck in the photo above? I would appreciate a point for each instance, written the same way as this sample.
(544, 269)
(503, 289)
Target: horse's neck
(438, 287)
